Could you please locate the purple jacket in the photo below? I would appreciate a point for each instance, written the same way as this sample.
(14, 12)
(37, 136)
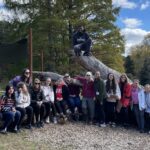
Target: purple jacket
(18, 79)
(88, 87)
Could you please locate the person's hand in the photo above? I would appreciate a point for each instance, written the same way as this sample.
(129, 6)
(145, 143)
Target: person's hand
(13, 109)
(20, 90)
(39, 103)
(77, 46)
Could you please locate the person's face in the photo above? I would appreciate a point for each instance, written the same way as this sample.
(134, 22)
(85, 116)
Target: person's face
(123, 78)
(147, 88)
(24, 88)
(136, 83)
(27, 73)
(81, 29)
(48, 81)
(37, 85)
(67, 79)
(11, 90)
(88, 77)
(97, 75)
(111, 77)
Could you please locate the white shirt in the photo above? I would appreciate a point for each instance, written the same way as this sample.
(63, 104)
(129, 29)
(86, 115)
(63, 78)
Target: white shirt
(48, 93)
(22, 100)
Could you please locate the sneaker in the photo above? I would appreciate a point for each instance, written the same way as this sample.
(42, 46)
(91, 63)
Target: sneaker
(37, 125)
(55, 120)
(47, 120)
(3, 131)
(113, 124)
(103, 125)
(28, 126)
(41, 124)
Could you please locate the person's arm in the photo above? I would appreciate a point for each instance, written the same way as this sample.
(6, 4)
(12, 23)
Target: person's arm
(28, 99)
(118, 93)
(81, 79)
(128, 92)
(19, 97)
(74, 39)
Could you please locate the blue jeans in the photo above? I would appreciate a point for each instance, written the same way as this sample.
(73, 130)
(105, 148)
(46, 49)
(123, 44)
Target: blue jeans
(11, 117)
(88, 108)
(75, 102)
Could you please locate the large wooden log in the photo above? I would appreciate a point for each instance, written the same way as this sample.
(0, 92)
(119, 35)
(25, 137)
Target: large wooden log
(92, 64)
(88, 62)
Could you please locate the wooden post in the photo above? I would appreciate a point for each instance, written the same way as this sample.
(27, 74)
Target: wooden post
(42, 61)
(30, 52)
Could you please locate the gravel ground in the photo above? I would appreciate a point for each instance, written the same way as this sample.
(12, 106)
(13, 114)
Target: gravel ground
(88, 137)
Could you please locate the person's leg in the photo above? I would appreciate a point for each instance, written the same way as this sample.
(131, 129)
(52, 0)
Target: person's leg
(63, 106)
(16, 120)
(136, 113)
(71, 104)
(36, 109)
(77, 49)
(77, 102)
(47, 109)
(112, 112)
(102, 114)
(126, 116)
(141, 113)
(58, 107)
(86, 47)
(91, 108)
(107, 112)
(23, 112)
(29, 112)
(84, 109)
(97, 111)
(42, 112)
(8, 118)
(53, 109)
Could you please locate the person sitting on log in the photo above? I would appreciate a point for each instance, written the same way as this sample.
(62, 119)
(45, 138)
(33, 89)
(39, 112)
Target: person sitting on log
(8, 110)
(74, 101)
(60, 102)
(37, 99)
(81, 42)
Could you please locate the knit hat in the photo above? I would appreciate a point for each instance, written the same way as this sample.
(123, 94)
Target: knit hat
(89, 74)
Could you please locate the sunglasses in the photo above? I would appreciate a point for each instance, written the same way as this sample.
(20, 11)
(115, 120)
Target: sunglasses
(37, 83)
(27, 72)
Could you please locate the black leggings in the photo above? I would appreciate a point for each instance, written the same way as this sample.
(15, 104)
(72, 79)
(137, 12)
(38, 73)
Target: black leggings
(39, 111)
(61, 106)
(99, 112)
(110, 111)
(29, 111)
(47, 109)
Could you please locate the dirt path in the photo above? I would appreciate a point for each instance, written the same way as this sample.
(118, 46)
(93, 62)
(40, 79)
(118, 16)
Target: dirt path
(85, 137)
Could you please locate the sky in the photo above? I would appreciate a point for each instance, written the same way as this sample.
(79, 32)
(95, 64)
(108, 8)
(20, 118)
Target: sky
(133, 20)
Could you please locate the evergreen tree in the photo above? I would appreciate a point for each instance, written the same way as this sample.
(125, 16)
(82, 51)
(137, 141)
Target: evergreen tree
(129, 67)
(145, 72)
(54, 21)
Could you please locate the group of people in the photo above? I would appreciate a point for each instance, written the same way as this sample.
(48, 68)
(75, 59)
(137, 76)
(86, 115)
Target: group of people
(89, 99)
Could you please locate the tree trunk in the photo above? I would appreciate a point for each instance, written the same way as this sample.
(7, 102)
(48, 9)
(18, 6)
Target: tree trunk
(88, 62)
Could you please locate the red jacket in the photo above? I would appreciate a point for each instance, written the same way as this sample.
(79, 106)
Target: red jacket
(125, 98)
